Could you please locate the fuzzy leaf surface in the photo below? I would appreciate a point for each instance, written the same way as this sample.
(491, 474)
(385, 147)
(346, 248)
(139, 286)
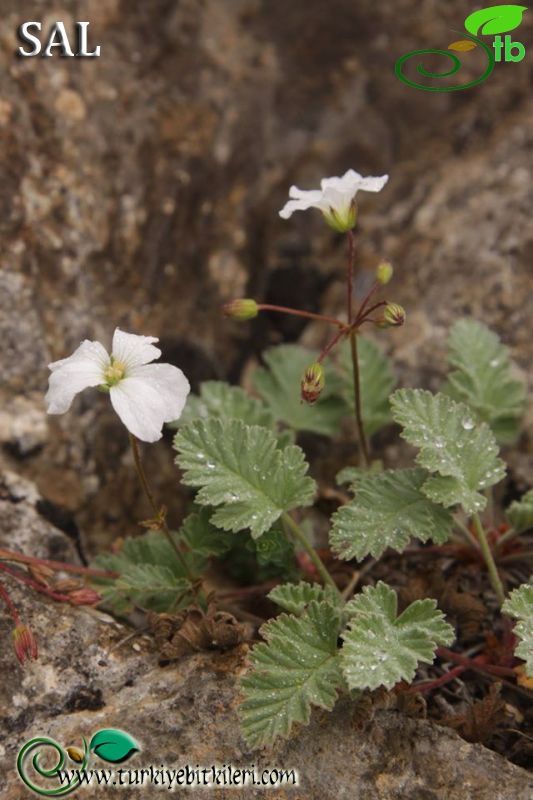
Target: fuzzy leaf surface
(279, 386)
(519, 604)
(388, 510)
(463, 453)
(296, 597)
(381, 648)
(296, 668)
(150, 574)
(483, 378)
(240, 470)
(520, 513)
(219, 399)
(377, 382)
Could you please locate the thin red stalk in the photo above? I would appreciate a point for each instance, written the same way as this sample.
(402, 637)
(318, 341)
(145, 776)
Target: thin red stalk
(39, 587)
(428, 686)
(349, 276)
(295, 312)
(366, 300)
(327, 349)
(4, 594)
(9, 555)
(474, 663)
(364, 317)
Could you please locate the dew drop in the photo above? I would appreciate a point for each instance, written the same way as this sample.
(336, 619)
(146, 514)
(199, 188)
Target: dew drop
(468, 423)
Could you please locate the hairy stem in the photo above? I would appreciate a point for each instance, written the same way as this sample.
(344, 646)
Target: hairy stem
(9, 555)
(155, 508)
(365, 457)
(489, 559)
(310, 550)
(295, 312)
(13, 613)
(38, 587)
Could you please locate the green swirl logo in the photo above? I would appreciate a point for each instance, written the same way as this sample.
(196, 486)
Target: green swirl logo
(111, 745)
(492, 20)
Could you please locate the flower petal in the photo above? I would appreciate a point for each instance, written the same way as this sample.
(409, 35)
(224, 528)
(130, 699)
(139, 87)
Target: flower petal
(152, 395)
(84, 368)
(132, 350)
(301, 201)
(371, 184)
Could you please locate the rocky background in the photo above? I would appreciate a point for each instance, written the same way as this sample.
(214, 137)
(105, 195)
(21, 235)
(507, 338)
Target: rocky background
(141, 189)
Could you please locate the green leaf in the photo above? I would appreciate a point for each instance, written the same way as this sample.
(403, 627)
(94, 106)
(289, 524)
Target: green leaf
(388, 510)
(273, 548)
(483, 378)
(240, 470)
(296, 668)
(113, 745)
(463, 453)
(296, 597)
(380, 648)
(160, 571)
(279, 386)
(519, 604)
(352, 475)
(153, 587)
(202, 538)
(495, 19)
(377, 382)
(520, 513)
(219, 399)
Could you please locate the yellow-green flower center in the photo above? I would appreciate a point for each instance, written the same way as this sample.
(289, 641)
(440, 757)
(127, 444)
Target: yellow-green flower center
(114, 372)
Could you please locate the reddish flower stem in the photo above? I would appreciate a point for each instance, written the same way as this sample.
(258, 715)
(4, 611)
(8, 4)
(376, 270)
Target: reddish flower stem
(39, 587)
(9, 555)
(295, 312)
(4, 594)
(366, 300)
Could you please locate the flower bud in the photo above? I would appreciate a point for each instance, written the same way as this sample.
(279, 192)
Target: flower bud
(393, 315)
(24, 643)
(85, 596)
(241, 310)
(312, 383)
(384, 272)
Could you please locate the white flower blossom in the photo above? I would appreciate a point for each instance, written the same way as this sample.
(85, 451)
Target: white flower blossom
(335, 198)
(144, 395)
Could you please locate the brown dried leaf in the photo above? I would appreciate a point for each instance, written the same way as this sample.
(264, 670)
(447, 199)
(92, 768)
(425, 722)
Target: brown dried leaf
(480, 720)
(193, 629)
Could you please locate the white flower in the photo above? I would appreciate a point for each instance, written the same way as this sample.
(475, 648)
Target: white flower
(335, 198)
(144, 395)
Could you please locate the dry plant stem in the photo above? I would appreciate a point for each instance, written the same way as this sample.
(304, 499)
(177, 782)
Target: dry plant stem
(58, 566)
(489, 559)
(365, 457)
(295, 312)
(13, 613)
(475, 664)
(38, 587)
(146, 486)
(300, 536)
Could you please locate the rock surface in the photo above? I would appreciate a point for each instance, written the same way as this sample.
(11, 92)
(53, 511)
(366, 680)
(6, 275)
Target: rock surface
(92, 674)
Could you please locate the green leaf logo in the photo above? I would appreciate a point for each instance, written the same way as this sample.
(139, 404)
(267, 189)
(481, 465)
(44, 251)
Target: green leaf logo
(113, 745)
(495, 19)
